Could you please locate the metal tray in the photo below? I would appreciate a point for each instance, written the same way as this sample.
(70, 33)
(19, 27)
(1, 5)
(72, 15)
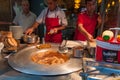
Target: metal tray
(21, 61)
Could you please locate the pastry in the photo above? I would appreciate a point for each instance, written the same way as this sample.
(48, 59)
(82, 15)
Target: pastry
(12, 42)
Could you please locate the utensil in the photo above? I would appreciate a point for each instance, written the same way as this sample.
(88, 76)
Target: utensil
(62, 48)
(31, 38)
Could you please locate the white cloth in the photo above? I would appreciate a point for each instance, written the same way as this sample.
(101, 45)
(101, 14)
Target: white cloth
(17, 8)
(52, 14)
(25, 20)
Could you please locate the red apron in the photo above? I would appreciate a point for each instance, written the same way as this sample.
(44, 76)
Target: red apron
(52, 23)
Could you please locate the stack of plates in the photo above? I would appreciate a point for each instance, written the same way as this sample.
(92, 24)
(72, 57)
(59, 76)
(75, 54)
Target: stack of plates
(71, 44)
(17, 31)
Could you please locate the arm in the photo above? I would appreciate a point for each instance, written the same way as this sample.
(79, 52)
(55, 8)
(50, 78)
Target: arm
(99, 20)
(63, 20)
(85, 33)
(59, 28)
(32, 28)
(38, 21)
(35, 25)
(82, 30)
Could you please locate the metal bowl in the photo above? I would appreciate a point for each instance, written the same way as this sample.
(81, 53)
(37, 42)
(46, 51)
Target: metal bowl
(30, 38)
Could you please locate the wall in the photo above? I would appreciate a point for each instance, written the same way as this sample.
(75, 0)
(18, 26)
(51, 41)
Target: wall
(5, 14)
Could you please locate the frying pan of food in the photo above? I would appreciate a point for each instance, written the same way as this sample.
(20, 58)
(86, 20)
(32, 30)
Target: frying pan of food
(45, 61)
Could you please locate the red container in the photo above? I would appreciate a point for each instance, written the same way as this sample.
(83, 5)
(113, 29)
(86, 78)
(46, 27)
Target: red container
(107, 51)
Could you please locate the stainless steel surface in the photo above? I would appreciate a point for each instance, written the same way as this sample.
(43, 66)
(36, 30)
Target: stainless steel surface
(78, 51)
(8, 73)
(21, 61)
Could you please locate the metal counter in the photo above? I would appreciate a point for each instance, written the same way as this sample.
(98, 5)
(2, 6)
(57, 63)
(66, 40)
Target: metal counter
(8, 73)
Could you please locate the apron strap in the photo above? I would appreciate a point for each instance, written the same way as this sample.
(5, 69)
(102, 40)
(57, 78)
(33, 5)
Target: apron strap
(47, 13)
(55, 13)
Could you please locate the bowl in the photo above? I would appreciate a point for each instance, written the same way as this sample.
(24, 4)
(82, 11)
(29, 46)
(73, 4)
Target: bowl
(31, 38)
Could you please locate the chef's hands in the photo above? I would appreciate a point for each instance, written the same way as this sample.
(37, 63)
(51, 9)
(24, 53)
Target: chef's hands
(53, 31)
(29, 31)
(90, 38)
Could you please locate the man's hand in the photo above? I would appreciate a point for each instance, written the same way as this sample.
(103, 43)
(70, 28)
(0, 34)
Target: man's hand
(32, 28)
(55, 30)
(29, 31)
(90, 37)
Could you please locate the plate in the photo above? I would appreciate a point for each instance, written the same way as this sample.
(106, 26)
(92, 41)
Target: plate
(71, 44)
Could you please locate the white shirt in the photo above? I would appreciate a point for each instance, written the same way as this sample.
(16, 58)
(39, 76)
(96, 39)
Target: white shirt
(53, 14)
(25, 20)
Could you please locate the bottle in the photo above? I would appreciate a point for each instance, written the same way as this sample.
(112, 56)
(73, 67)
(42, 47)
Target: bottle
(118, 38)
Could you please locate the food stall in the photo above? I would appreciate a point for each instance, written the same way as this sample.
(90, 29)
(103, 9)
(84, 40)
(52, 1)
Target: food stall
(34, 60)
(72, 60)
(19, 64)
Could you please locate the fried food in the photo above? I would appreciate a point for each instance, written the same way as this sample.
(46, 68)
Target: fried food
(10, 42)
(43, 46)
(49, 58)
(7, 38)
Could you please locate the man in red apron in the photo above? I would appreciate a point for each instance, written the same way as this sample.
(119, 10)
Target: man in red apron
(55, 21)
(51, 24)
(87, 22)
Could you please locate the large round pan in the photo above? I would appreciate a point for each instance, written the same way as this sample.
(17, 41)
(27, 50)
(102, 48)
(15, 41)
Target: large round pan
(21, 61)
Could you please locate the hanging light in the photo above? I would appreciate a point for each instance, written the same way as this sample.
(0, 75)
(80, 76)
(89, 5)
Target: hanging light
(108, 5)
(77, 6)
(106, 10)
(99, 1)
(113, 3)
(77, 1)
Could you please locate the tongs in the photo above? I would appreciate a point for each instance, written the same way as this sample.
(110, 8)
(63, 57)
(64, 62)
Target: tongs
(62, 48)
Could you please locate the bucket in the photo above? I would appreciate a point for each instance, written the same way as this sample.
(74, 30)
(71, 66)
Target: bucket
(17, 31)
(78, 52)
(107, 51)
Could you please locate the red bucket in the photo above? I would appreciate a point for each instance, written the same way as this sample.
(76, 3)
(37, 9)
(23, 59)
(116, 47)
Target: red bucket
(107, 51)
